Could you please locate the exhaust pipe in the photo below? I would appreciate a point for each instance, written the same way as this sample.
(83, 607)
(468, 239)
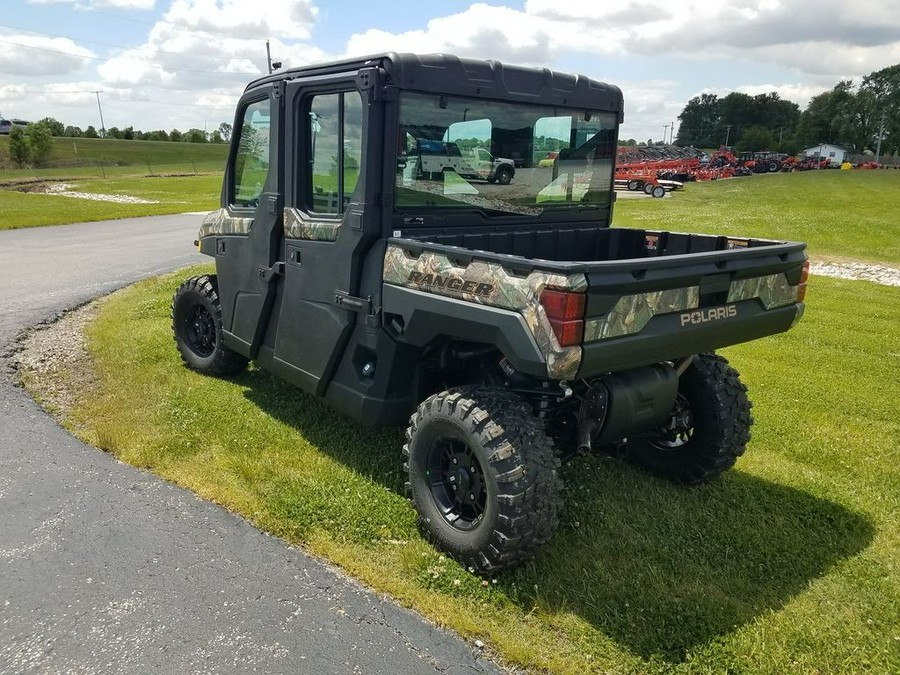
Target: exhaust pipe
(621, 404)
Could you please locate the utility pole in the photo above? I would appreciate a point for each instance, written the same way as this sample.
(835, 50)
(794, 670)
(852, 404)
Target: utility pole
(672, 133)
(665, 129)
(880, 136)
(102, 126)
(780, 135)
(268, 57)
(727, 133)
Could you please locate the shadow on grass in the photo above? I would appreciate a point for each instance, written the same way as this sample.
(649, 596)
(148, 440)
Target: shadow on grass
(661, 569)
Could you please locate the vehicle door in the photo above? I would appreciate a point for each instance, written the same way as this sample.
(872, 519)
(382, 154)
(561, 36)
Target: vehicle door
(323, 218)
(248, 226)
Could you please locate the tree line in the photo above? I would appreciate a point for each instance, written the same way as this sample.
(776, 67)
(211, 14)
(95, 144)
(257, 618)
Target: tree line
(220, 135)
(857, 116)
(31, 145)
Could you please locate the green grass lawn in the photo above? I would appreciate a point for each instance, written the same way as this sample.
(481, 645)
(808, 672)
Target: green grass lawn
(175, 195)
(849, 214)
(180, 176)
(788, 564)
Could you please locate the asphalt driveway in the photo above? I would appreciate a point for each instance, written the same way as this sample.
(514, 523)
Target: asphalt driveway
(108, 569)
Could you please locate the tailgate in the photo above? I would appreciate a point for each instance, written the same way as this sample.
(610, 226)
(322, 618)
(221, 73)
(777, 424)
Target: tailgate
(643, 311)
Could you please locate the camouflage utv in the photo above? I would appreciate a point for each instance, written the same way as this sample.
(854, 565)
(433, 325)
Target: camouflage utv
(508, 326)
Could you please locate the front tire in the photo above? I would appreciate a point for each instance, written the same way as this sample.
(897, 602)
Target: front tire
(197, 328)
(709, 428)
(482, 477)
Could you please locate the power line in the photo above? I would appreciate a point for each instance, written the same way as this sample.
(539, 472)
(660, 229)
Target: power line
(86, 92)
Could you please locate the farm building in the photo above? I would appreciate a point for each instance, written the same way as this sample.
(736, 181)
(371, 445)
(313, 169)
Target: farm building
(836, 154)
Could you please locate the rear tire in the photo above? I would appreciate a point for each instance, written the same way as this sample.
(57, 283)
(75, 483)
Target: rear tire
(197, 328)
(633, 186)
(709, 430)
(659, 192)
(504, 175)
(482, 477)
(648, 188)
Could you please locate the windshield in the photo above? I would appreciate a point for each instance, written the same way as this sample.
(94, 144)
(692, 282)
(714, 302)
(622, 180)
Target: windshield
(503, 158)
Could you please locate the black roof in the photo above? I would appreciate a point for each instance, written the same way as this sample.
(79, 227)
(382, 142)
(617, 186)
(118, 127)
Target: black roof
(448, 74)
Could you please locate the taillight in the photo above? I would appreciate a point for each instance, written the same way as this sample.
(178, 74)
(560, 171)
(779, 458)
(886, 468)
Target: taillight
(565, 310)
(804, 276)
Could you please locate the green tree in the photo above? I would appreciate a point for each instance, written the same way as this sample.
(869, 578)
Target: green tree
(225, 130)
(128, 133)
(19, 147)
(91, 132)
(194, 136)
(884, 87)
(158, 135)
(216, 137)
(73, 132)
(701, 123)
(114, 132)
(756, 138)
(41, 141)
(56, 127)
(175, 135)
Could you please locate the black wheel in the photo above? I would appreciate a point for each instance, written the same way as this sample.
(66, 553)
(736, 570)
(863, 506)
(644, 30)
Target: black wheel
(504, 175)
(482, 477)
(774, 166)
(648, 188)
(659, 192)
(633, 185)
(709, 428)
(197, 325)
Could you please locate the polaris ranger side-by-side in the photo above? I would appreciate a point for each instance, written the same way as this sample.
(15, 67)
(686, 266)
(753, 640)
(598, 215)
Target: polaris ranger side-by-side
(508, 325)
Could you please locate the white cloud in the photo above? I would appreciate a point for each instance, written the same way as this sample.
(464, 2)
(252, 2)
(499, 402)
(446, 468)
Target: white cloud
(482, 31)
(32, 55)
(247, 19)
(100, 4)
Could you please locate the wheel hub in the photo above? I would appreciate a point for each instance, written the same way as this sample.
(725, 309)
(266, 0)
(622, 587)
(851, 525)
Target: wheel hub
(680, 427)
(456, 482)
(201, 331)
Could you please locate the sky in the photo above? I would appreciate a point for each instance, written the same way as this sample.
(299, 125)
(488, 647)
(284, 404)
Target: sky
(164, 64)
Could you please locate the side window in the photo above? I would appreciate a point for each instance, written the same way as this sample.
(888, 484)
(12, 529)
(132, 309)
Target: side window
(251, 163)
(335, 142)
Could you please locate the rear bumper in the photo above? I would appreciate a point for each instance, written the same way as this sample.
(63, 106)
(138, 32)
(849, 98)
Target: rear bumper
(670, 336)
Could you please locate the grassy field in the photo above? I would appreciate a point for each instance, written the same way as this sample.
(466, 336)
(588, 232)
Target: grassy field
(178, 176)
(98, 157)
(842, 214)
(789, 564)
(174, 195)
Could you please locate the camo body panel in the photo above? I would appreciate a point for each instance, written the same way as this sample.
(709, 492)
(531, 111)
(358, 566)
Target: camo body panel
(632, 312)
(220, 222)
(773, 290)
(507, 291)
(297, 227)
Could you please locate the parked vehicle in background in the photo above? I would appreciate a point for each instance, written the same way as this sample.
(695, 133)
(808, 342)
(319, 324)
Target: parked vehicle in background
(7, 125)
(432, 157)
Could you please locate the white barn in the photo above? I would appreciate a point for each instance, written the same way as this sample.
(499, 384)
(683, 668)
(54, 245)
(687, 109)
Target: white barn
(836, 154)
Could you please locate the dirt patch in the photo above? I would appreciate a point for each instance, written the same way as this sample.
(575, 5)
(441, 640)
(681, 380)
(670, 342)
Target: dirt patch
(53, 363)
(61, 189)
(856, 270)
(23, 184)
